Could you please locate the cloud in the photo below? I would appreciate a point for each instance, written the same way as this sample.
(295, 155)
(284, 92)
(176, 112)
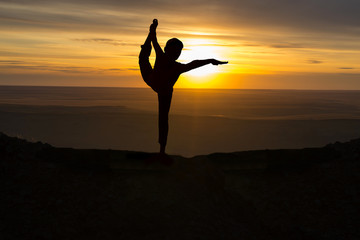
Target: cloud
(115, 69)
(11, 62)
(122, 69)
(346, 68)
(113, 42)
(286, 45)
(316, 16)
(133, 69)
(307, 15)
(302, 28)
(54, 16)
(313, 61)
(34, 66)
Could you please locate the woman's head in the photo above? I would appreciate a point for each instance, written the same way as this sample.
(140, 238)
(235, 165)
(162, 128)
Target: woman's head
(173, 48)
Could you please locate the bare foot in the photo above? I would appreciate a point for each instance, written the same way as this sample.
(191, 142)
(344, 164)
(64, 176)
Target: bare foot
(165, 159)
(155, 22)
(154, 25)
(153, 159)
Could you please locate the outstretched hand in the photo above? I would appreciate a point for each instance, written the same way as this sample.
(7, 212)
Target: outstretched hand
(154, 25)
(217, 62)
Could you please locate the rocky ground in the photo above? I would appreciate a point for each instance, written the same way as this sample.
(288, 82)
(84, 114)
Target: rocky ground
(58, 193)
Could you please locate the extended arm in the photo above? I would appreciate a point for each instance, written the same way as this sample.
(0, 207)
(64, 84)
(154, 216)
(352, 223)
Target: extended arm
(199, 63)
(153, 38)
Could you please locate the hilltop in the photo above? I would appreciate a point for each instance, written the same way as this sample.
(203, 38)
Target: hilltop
(64, 193)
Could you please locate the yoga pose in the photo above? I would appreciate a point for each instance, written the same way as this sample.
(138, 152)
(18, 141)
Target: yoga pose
(164, 75)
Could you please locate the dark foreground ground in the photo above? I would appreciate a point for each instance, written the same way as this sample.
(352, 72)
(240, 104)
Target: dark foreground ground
(57, 193)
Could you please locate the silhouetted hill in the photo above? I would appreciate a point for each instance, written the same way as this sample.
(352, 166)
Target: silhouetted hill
(63, 193)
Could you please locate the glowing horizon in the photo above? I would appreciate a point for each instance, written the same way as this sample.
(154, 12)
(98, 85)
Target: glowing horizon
(86, 43)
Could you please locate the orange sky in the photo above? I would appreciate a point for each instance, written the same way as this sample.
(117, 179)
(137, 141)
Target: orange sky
(269, 44)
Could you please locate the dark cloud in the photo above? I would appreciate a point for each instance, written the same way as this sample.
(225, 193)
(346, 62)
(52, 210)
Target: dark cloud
(22, 65)
(10, 62)
(113, 42)
(334, 16)
(93, 14)
(308, 15)
(281, 24)
(312, 61)
(133, 69)
(251, 45)
(346, 68)
(115, 69)
(286, 45)
(73, 55)
(34, 66)
(53, 16)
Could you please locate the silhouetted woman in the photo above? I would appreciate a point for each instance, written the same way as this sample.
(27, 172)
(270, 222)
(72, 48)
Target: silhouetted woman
(164, 75)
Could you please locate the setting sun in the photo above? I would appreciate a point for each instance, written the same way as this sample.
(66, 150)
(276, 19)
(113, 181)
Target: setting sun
(201, 49)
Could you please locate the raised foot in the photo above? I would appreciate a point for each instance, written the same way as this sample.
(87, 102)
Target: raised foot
(155, 22)
(154, 25)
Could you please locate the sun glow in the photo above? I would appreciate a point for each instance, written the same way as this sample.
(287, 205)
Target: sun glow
(198, 49)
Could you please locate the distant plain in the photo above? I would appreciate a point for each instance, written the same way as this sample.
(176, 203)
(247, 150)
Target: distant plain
(201, 121)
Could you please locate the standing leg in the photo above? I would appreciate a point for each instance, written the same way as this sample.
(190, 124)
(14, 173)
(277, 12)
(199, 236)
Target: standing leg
(164, 108)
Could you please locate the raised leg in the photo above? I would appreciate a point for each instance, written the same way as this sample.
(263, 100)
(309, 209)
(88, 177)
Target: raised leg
(144, 63)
